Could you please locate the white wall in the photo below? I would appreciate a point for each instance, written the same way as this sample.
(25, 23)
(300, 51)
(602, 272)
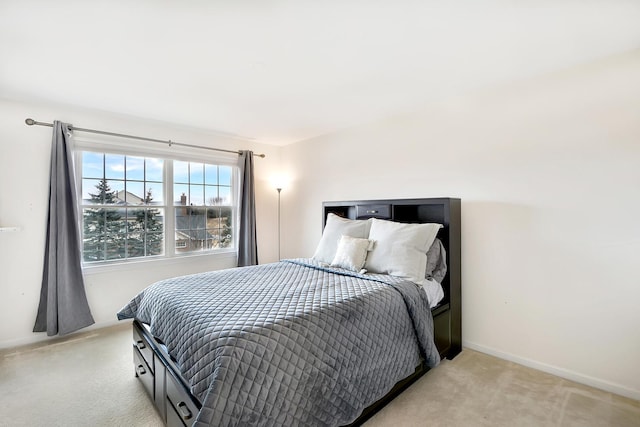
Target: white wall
(548, 171)
(24, 166)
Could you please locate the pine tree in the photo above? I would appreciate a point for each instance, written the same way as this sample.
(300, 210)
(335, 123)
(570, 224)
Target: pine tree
(135, 234)
(145, 233)
(104, 228)
(152, 226)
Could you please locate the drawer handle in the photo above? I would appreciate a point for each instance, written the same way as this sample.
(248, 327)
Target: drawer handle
(372, 212)
(140, 370)
(185, 413)
(140, 344)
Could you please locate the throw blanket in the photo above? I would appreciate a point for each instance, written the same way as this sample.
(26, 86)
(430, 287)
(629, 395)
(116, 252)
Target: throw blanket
(290, 343)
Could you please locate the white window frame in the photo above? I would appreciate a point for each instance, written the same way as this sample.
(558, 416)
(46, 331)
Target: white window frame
(168, 154)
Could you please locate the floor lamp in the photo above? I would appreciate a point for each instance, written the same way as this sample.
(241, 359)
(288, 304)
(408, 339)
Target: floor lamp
(279, 190)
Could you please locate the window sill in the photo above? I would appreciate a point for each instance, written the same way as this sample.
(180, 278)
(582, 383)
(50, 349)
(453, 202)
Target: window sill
(138, 264)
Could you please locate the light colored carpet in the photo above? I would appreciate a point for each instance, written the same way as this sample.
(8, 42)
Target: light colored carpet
(475, 389)
(87, 380)
(84, 380)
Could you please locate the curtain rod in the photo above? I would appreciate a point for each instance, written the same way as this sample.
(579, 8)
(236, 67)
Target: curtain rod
(32, 122)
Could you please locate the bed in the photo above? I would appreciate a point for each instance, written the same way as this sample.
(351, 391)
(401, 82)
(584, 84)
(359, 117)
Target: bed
(321, 341)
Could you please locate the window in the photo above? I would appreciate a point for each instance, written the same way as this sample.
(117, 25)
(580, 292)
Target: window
(204, 213)
(125, 213)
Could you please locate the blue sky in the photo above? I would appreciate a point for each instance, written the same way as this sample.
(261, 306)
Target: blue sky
(202, 183)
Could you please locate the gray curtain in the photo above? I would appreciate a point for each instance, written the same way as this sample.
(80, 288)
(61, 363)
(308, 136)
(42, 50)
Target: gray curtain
(247, 241)
(63, 302)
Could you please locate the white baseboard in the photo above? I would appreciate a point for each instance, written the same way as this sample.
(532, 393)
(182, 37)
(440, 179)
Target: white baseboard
(559, 372)
(42, 337)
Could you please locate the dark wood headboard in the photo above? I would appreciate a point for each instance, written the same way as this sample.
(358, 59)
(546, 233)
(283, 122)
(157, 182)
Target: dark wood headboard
(445, 211)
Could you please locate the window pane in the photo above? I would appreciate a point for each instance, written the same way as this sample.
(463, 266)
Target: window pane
(93, 248)
(214, 242)
(197, 239)
(154, 169)
(225, 175)
(226, 240)
(91, 191)
(114, 166)
(196, 195)
(135, 168)
(115, 246)
(181, 172)
(213, 217)
(154, 194)
(211, 195)
(154, 244)
(226, 227)
(135, 220)
(197, 218)
(196, 173)
(92, 222)
(114, 221)
(211, 174)
(135, 245)
(224, 194)
(182, 218)
(154, 221)
(181, 194)
(135, 193)
(92, 165)
(190, 228)
(113, 191)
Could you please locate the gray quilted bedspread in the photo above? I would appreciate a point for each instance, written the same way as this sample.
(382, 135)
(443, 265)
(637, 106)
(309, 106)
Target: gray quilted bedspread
(289, 343)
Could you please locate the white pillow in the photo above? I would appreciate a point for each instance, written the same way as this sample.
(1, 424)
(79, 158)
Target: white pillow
(334, 229)
(400, 249)
(352, 253)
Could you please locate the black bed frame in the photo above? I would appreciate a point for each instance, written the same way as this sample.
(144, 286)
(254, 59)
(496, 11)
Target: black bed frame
(161, 377)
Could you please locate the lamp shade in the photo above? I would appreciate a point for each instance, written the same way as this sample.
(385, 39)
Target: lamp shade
(279, 181)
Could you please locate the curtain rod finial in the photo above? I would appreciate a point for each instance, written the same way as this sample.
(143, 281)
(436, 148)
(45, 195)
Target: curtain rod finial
(30, 122)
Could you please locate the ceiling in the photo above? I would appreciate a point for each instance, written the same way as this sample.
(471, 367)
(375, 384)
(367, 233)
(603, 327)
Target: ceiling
(282, 71)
